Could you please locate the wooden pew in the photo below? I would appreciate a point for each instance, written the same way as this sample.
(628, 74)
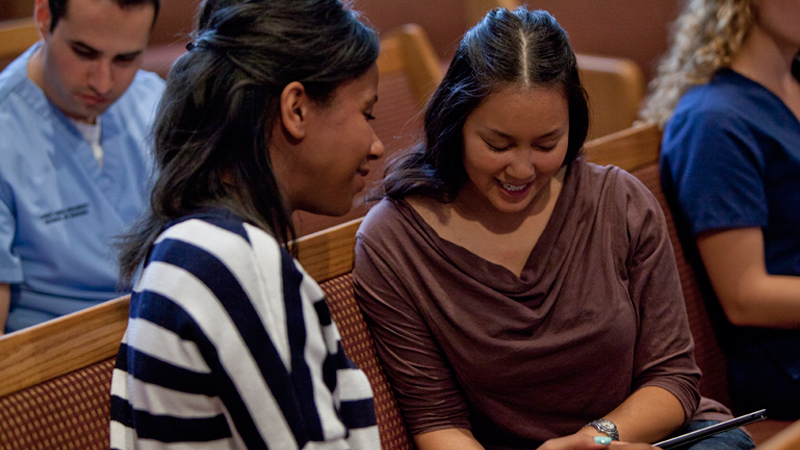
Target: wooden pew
(55, 377)
(15, 37)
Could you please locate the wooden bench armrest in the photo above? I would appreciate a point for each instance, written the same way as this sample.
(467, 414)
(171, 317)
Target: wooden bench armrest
(39, 353)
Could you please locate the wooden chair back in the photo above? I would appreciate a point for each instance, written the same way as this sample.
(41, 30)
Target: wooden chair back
(55, 379)
(408, 51)
(615, 87)
(628, 149)
(409, 71)
(15, 37)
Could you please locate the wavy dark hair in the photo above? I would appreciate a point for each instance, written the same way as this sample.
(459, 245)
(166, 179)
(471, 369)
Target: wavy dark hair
(507, 48)
(58, 8)
(222, 98)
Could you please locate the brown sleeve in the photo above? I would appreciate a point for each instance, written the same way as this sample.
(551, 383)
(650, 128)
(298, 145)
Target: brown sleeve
(422, 379)
(664, 354)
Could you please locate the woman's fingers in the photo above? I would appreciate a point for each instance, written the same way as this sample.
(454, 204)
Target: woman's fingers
(585, 442)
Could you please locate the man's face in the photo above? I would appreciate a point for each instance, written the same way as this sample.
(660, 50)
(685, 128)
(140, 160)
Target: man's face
(92, 55)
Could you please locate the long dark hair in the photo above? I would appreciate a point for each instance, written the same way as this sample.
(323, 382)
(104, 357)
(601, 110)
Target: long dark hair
(214, 120)
(520, 47)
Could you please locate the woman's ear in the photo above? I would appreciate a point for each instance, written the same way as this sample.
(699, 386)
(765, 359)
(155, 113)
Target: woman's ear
(295, 106)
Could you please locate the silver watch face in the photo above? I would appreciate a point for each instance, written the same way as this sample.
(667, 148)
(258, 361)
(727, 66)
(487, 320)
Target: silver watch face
(606, 424)
(606, 427)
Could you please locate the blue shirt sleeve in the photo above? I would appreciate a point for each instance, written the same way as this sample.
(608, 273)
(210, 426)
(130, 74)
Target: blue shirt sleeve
(714, 167)
(10, 268)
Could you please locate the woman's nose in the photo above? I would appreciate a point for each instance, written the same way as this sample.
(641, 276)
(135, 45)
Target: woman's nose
(523, 164)
(377, 149)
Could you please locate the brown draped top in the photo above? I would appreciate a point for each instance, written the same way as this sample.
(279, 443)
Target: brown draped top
(596, 314)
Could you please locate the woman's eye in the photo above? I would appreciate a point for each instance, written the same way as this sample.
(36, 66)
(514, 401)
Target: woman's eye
(369, 116)
(497, 148)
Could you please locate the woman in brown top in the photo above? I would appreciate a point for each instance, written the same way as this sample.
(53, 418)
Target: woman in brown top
(516, 292)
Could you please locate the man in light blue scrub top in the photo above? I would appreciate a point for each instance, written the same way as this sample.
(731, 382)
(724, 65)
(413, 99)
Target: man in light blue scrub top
(75, 120)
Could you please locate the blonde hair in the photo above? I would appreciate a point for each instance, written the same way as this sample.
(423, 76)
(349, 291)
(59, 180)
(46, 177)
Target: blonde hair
(706, 37)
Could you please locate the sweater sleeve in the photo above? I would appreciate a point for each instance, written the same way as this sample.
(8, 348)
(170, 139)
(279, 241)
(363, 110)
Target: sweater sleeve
(664, 349)
(415, 365)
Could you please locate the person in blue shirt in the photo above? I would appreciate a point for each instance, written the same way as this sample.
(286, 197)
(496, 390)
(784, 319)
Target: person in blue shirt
(728, 93)
(75, 116)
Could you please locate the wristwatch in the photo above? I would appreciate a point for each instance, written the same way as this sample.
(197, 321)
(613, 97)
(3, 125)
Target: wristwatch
(606, 427)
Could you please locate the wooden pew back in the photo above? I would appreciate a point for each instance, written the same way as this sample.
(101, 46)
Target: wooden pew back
(15, 37)
(55, 377)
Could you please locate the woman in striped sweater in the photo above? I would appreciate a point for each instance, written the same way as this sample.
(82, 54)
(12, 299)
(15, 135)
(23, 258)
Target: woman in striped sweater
(229, 342)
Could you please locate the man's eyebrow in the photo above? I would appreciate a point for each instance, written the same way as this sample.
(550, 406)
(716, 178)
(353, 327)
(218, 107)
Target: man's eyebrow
(129, 55)
(83, 46)
(89, 49)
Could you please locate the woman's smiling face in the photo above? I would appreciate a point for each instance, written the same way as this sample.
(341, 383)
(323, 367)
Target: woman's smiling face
(514, 142)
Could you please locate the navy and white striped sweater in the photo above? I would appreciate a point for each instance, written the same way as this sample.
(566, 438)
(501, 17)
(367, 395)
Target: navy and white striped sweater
(230, 345)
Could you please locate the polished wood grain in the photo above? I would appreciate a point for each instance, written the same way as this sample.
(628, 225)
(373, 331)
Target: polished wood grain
(16, 36)
(615, 87)
(39, 353)
(408, 50)
(329, 253)
(628, 149)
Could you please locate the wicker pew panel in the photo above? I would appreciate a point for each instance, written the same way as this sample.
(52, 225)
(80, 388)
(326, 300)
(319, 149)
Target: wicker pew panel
(69, 412)
(358, 344)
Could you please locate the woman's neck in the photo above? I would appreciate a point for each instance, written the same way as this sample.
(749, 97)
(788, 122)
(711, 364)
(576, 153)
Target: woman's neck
(504, 239)
(473, 206)
(768, 62)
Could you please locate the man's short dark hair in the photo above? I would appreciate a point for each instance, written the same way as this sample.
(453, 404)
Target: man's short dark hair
(59, 7)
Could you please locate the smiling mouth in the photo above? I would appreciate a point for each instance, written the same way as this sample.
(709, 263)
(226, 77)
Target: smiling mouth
(514, 188)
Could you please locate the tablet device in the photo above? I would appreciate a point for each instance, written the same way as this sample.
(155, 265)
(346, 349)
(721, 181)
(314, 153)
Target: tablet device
(712, 430)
